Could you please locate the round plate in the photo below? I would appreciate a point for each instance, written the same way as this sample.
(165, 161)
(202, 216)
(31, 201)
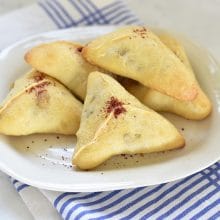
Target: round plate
(44, 161)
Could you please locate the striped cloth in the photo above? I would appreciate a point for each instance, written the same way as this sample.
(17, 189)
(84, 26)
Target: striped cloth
(195, 197)
(88, 12)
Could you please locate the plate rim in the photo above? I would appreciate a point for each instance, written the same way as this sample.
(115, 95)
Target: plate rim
(105, 186)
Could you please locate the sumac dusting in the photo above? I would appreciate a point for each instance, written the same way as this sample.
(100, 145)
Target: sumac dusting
(115, 106)
(39, 77)
(38, 89)
(79, 49)
(142, 32)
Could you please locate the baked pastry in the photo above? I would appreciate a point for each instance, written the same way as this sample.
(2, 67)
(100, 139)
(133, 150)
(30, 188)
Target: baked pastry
(197, 109)
(63, 61)
(138, 54)
(39, 104)
(176, 47)
(115, 122)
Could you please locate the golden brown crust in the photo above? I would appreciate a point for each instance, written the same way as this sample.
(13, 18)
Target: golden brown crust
(197, 109)
(117, 123)
(39, 104)
(143, 57)
(63, 61)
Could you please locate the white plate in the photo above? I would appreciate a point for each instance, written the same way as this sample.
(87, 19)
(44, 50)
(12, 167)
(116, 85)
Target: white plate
(44, 160)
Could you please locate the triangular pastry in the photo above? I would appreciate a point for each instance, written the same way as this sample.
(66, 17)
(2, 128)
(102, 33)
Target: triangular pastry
(115, 122)
(39, 104)
(176, 47)
(137, 53)
(63, 61)
(196, 109)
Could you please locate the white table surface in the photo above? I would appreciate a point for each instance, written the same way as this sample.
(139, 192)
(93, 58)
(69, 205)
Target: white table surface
(198, 19)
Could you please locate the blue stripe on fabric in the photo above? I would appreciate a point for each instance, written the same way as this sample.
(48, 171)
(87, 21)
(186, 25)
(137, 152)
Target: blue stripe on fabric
(14, 181)
(61, 196)
(86, 18)
(216, 170)
(22, 187)
(123, 19)
(134, 21)
(162, 195)
(215, 216)
(128, 205)
(58, 14)
(118, 3)
(105, 10)
(64, 11)
(208, 176)
(213, 171)
(48, 12)
(113, 7)
(119, 14)
(67, 202)
(196, 204)
(169, 212)
(98, 11)
(103, 199)
(112, 10)
(206, 209)
(180, 204)
(91, 13)
(110, 205)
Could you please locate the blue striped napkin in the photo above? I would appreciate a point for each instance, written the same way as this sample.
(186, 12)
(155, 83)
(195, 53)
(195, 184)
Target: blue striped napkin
(195, 197)
(88, 12)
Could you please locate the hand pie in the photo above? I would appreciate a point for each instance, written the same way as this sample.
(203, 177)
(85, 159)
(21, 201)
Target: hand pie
(63, 61)
(138, 54)
(115, 122)
(196, 109)
(39, 104)
(176, 47)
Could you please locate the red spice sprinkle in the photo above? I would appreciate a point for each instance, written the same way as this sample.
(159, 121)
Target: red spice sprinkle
(39, 77)
(115, 106)
(79, 49)
(38, 89)
(142, 32)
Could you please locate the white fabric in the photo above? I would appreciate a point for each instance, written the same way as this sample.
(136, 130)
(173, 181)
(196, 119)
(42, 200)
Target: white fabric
(11, 205)
(39, 206)
(16, 26)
